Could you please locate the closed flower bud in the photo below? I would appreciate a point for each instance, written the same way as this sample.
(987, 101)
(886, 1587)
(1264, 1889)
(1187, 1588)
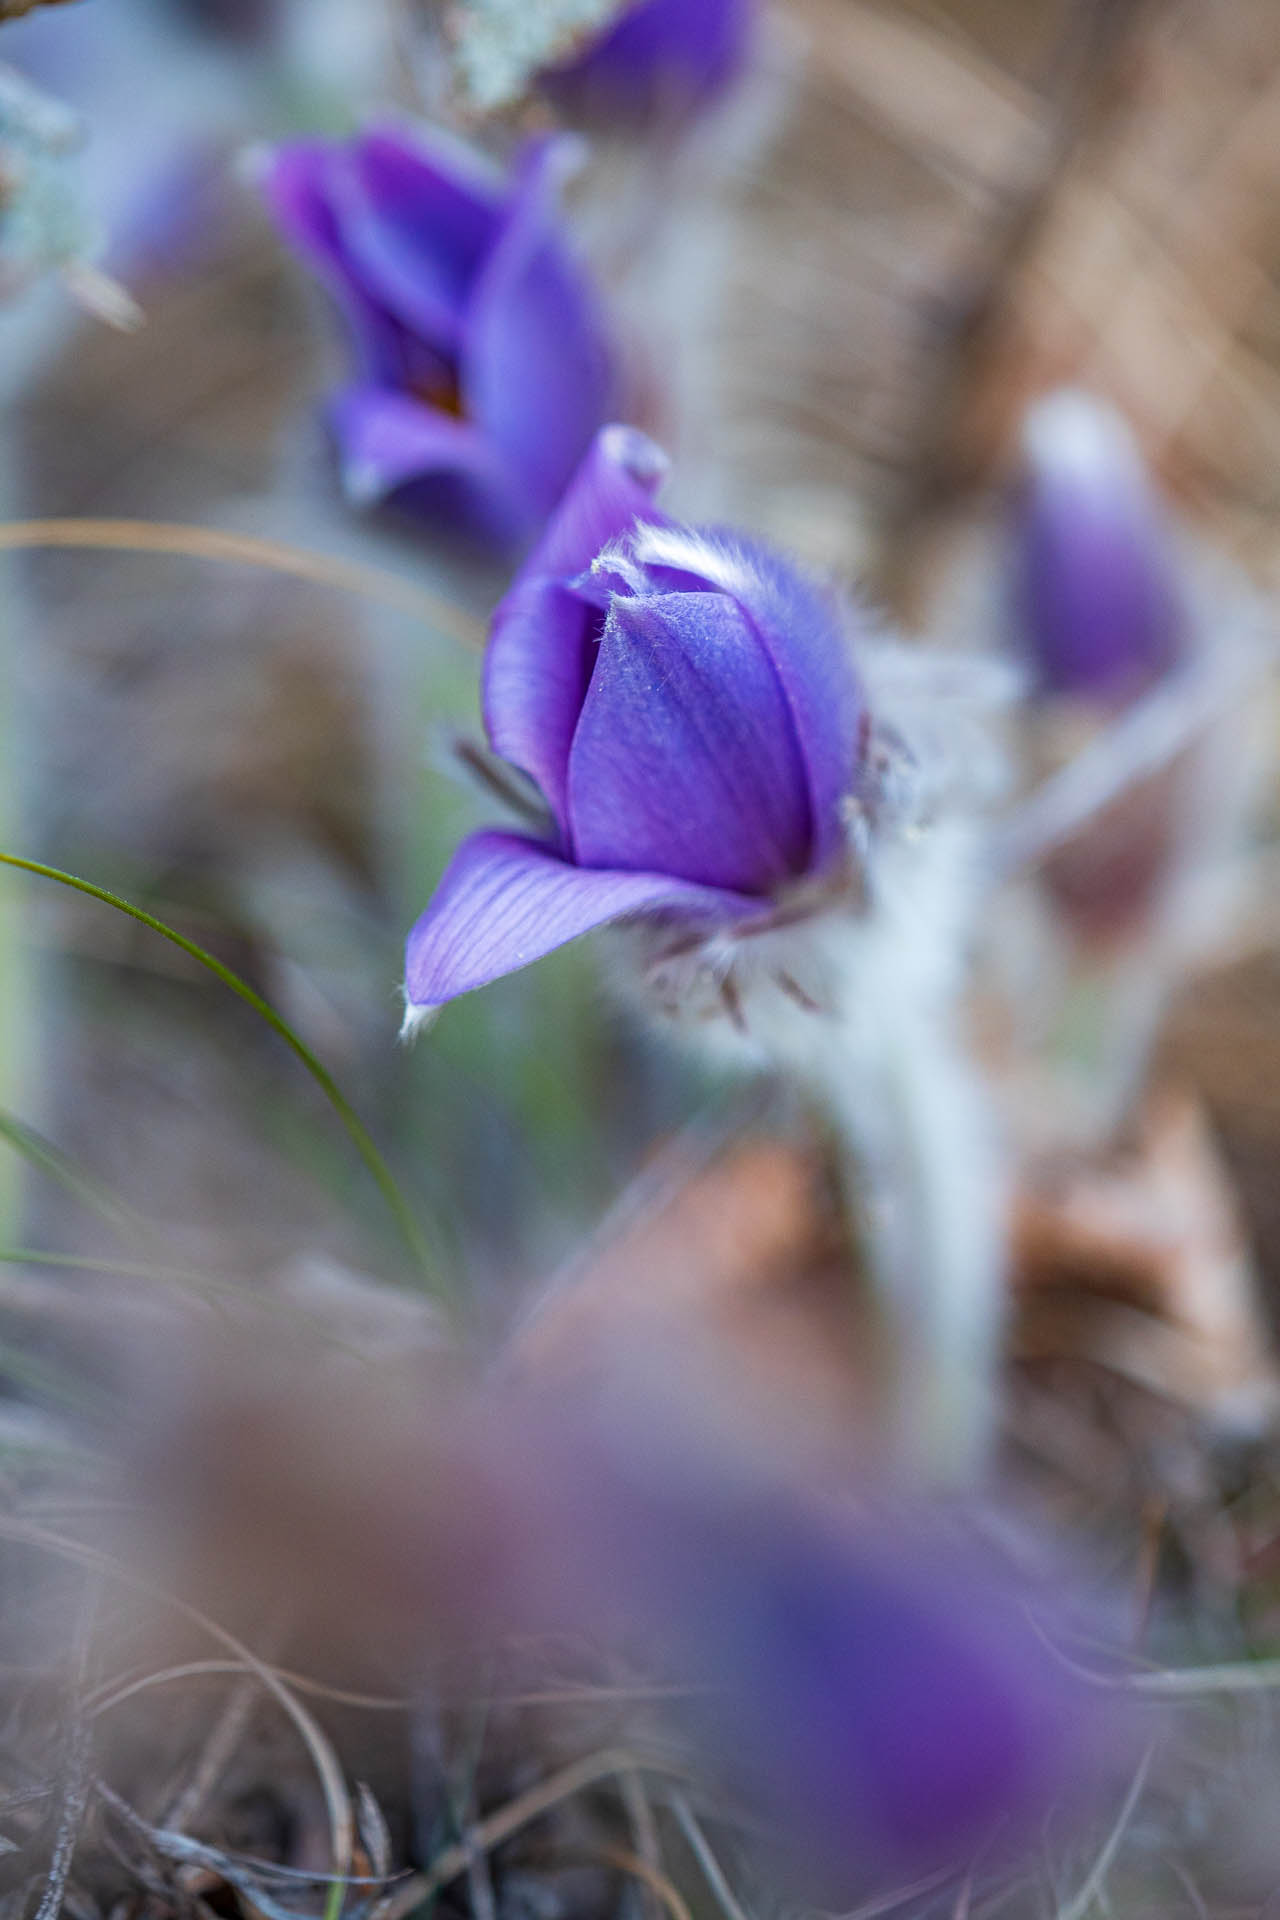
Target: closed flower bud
(685, 701)
(1103, 616)
(482, 366)
(1098, 602)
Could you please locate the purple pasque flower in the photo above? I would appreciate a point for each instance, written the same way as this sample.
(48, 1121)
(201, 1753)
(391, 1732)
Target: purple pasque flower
(864, 1670)
(1104, 615)
(661, 61)
(1098, 602)
(483, 368)
(887, 1703)
(685, 702)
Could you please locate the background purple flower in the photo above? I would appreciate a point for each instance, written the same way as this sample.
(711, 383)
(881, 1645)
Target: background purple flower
(1103, 614)
(1097, 595)
(483, 367)
(662, 60)
(686, 703)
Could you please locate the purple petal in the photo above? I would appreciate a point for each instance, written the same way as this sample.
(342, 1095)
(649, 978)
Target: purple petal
(300, 183)
(660, 59)
(1097, 583)
(535, 369)
(612, 489)
(800, 628)
(541, 650)
(505, 901)
(889, 1711)
(388, 440)
(685, 760)
(294, 180)
(416, 221)
(542, 644)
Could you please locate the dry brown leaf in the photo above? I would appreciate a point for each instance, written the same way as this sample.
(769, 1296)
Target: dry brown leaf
(747, 1261)
(1139, 1262)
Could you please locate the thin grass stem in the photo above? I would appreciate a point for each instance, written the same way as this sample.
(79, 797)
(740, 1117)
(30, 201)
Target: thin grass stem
(242, 549)
(382, 1176)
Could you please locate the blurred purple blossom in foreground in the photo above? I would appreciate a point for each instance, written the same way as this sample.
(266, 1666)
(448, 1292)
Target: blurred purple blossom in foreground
(865, 1671)
(870, 1678)
(685, 701)
(1098, 600)
(484, 369)
(892, 1708)
(662, 61)
(879, 1686)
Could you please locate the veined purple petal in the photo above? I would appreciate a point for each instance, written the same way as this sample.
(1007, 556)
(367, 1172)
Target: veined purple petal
(505, 901)
(416, 220)
(800, 628)
(388, 440)
(536, 373)
(685, 760)
(1097, 581)
(542, 644)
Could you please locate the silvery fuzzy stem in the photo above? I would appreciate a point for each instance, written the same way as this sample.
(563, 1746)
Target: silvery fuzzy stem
(1151, 734)
(918, 1134)
(910, 1109)
(1185, 760)
(856, 1004)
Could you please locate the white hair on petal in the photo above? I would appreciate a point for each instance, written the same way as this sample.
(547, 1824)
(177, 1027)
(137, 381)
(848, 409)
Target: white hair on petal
(416, 1020)
(618, 557)
(691, 551)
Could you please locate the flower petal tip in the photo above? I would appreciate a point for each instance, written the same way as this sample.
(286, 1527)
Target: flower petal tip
(635, 453)
(417, 1021)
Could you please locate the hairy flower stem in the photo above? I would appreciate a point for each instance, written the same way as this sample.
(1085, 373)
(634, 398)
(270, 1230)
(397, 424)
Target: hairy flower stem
(920, 1150)
(855, 1002)
(921, 1166)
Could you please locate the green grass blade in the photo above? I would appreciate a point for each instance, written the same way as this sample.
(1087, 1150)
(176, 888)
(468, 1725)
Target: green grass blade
(46, 1158)
(381, 1173)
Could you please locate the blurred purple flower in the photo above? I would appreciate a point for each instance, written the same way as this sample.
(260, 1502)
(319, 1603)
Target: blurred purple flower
(1104, 615)
(686, 703)
(660, 62)
(889, 1705)
(1098, 600)
(484, 369)
(879, 1684)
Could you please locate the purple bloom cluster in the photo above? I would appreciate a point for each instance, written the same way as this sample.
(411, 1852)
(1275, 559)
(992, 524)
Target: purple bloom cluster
(1097, 592)
(686, 703)
(662, 61)
(483, 365)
